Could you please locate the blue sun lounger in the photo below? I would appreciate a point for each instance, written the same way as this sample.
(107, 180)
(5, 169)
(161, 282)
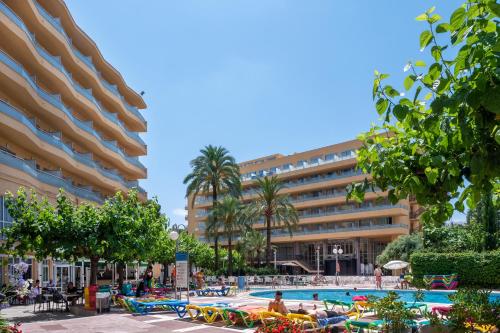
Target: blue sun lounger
(213, 291)
(324, 322)
(145, 307)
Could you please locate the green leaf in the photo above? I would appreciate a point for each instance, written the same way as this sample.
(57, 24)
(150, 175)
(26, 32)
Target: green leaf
(430, 10)
(434, 18)
(400, 112)
(425, 39)
(419, 89)
(422, 17)
(494, 7)
(436, 52)
(381, 105)
(431, 174)
(457, 18)
(428, 96)
(409, 81)
(443, 27)
(420, 63)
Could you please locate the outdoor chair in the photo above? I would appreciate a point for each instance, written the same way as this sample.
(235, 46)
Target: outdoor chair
(40, 300)
(210, 312)
(245, 315)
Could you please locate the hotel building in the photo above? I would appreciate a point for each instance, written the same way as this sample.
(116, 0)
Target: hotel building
(67, 118)
(316, 182)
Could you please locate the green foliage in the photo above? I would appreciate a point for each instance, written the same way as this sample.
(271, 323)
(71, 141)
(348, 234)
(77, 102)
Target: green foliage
(253, 245)
(473, 307)
(442, 136)
(401, 248)
(214, 171)
(474, 269)
(121, 230)
(274, 207)
(393, 311)
(232, 220)
(456, 238)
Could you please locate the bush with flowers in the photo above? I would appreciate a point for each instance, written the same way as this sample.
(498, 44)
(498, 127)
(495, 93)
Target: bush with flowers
(281, 325)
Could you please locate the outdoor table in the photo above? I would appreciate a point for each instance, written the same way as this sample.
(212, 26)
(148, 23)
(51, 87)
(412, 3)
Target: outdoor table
(70, 297)
(102, 301)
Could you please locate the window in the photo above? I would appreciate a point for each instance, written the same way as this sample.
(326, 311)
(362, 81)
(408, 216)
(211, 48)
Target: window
(330, 157)
(286, 166)
(314, 160)
(301, 164)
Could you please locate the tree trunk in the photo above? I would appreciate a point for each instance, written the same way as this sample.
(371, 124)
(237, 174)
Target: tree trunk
(165, 272)
(216, 240)
(93, 270)
(268, 240)
(120, 267)
(229, 256)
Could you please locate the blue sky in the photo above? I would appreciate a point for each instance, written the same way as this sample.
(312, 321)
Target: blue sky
(257, 77)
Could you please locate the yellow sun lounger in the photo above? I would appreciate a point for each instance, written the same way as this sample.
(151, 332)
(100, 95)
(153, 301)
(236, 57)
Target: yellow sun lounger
(209, 312)
(302, 320)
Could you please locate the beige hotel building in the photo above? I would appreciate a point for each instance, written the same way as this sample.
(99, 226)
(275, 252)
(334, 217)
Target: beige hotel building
(315, 181)
(67, 119)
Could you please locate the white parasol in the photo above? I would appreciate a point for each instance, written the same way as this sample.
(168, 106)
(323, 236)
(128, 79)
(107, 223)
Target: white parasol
(396, 264)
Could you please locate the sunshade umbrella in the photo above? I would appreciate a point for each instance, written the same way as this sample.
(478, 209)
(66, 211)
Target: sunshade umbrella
(396, 264)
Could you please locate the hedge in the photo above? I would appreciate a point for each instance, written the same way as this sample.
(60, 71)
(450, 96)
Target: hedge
(474, 269)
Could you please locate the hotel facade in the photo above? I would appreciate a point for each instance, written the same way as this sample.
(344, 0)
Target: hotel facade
(316, 182)
(67, 119)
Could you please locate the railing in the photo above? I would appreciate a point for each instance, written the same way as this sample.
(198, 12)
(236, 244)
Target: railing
(56, 23)
(29, 167)
(305, 165)
(352, 210)
(55, 101)
(56, 142)
(56, 62)
(289, 184)
(284, 232)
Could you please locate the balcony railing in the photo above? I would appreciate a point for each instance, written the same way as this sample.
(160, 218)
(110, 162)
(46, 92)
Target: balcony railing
(284, 232)
(55, 101)
(305, 165)
(56, 141)
(56, 62)
(337, 211)
(29, 167)
(56, 23)
(289, 184)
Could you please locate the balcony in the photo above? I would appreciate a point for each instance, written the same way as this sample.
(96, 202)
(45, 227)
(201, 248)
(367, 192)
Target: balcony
(290, 184)
(304, 165)
(55, 100)
(337, 211)
(29, 167)
(56, 62)
(56, 23)
(55, 141)
(335, 230)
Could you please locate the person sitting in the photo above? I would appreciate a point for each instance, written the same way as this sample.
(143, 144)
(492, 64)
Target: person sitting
(277, 305)
(72, 289)
(140, 290)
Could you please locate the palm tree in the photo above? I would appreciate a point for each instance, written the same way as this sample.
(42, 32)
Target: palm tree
(213, 171)
(229, 212)
(274, 207)
(254, 244)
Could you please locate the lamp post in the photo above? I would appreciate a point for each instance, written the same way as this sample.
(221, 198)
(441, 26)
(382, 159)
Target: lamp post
(337, 249)
(274, 252)
(317, 263)
(174, 235)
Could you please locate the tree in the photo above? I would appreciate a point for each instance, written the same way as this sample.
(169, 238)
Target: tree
(215, 172)
(123, 229)
(441, 145)
(254, 244)
(232, 219)
(275, 208)
(136, 227)
(401, 248)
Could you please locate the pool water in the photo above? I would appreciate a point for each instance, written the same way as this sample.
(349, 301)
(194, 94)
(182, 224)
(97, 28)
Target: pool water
(341, 294)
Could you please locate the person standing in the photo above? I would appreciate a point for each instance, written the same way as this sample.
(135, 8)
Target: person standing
(199, 279)
(378, 277)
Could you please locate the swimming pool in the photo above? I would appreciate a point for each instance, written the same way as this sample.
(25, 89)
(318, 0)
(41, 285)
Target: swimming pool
(340, 294)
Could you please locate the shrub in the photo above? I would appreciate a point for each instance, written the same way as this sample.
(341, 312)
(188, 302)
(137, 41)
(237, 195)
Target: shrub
(474, 269)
